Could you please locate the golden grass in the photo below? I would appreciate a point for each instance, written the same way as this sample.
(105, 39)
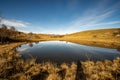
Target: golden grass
(107, 70)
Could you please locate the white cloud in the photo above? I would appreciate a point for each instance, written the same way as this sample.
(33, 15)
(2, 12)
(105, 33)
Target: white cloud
(91, 19)
(14, 23)
(105, 23)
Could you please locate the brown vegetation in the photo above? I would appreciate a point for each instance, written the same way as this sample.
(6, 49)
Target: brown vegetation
(8, 35)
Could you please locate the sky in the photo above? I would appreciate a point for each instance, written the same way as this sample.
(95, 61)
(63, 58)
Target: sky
(60, 16)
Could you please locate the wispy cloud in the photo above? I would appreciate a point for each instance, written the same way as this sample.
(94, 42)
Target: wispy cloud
(14, 23)
(91, 20)
(95, 17)
(105, 23)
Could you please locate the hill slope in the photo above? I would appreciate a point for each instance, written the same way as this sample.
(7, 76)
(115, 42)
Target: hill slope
(102, 33)
(102, 37)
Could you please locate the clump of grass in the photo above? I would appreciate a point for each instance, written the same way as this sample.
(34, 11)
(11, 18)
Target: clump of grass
(106, 70)
(70, 71)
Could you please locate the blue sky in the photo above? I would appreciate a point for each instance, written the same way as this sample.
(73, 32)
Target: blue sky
(60, 16)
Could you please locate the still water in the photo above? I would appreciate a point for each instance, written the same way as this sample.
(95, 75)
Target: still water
(62, 51)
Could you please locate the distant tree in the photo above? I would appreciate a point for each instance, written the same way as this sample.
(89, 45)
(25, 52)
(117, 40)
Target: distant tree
(30, 34)
(12, 28)
(13, 33)
(3, 33)
(30, 44)
(4, 26)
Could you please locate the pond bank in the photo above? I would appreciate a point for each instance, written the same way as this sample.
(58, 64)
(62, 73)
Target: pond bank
(105, 43)
(12, 67)
(10, 46)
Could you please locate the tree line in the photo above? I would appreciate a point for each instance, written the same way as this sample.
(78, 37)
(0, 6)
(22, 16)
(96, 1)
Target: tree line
(7, 34)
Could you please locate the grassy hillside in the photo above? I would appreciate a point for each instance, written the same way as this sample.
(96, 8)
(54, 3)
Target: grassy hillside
(102, 37)
(8, 35)
(101, 33)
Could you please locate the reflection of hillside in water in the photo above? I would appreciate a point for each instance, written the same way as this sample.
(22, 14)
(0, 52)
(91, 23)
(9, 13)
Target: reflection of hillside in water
(30, 44)
(118, 49)
(63, 51)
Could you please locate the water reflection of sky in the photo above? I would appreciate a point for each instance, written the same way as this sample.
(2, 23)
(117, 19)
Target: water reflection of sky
(66, 51)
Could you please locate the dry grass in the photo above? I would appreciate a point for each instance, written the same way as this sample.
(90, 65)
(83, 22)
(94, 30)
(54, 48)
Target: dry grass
(107, 70)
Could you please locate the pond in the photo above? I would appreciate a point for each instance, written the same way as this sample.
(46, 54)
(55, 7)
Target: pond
(63, 51)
